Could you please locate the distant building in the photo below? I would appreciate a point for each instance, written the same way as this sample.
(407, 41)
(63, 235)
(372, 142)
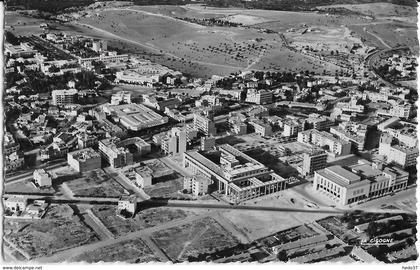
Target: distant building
(313, 161)
(397, 152)
(127, 206)
(207, 143)
(84, 160)
(352, 132)
(175, 141)
(121, 97)
(259, 96)
(291, 128)
(99, 45)
(261, 128)
(135, 116)
(204, 122)
(116, 156)
(325, 140)
(318, 122)
(15, 203)
(197, 185)
(42, 178)
(85, 140)
(61, 97)
(144, 176)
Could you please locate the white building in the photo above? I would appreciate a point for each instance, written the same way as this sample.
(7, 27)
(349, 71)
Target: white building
(121, 97)
(61, 97)
(42, 178)
(197, 185)
(259, 96)
(362, 181)
(127, 204)
(175, 141)
(144, 176)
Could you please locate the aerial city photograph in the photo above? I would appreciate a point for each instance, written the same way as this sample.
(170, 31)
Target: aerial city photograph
(219, 131)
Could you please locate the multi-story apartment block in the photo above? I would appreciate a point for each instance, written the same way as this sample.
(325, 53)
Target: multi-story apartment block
(336, 146)
(114, 155)
(204, 122)
(313, 160)
(66, 96)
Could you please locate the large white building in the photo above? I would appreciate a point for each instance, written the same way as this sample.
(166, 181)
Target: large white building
(135, 116)
(359, 182)
(197, 185)
(397, 152)
(204, 122)
(352, 132)
(121, 97)
(235, 174)
(336, 146)
(84, 160)
(259, 96)
(115, 155)
(42, 178)
(175, 141)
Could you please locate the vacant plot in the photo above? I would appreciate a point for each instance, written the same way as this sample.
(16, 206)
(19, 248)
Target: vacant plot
(144, 218)
(26, 186)
(393, 34)
(192, 239)
(166, 189)
(95, 184)
(60, 229)
(132, 251)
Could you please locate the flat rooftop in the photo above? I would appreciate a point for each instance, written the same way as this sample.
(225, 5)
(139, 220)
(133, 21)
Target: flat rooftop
(136, 116)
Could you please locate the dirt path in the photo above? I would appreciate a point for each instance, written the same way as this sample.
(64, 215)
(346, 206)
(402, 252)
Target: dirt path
(73, 252)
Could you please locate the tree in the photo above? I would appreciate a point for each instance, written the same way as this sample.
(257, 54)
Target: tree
(372, 229)
(282, 256)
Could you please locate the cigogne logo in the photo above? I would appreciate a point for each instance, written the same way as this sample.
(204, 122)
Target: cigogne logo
(377, 241)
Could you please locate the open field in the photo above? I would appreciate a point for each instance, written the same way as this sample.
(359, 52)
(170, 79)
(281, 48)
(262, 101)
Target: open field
(145, 218)
(132, 251)
(26, 186)
(381, 10)
(258, 224)
(60, 229)
(393, 33)
(192, 239)
(197, 48)
(95, 184)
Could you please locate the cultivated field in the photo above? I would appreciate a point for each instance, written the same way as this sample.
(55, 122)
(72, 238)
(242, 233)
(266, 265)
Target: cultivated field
(192, 239)
(132, 251)
(58, 230)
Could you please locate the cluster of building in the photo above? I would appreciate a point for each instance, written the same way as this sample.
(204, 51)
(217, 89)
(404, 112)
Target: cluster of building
(234, 174)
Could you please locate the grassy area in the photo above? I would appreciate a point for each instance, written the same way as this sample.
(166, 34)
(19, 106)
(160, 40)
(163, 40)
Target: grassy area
(60, 229)
(132, 251)
(194, 238)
